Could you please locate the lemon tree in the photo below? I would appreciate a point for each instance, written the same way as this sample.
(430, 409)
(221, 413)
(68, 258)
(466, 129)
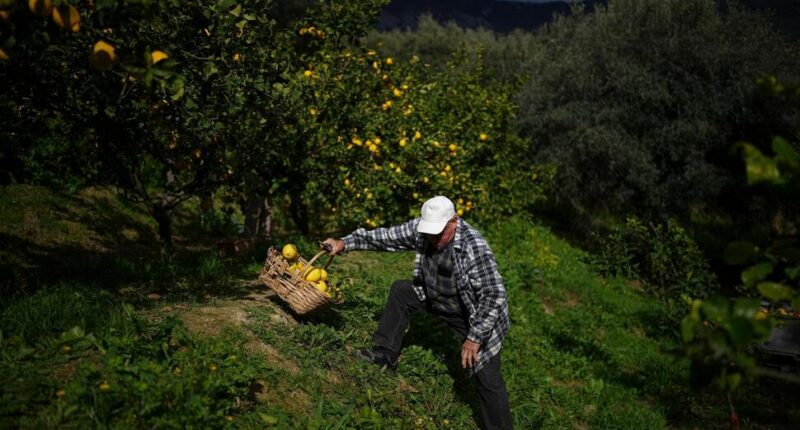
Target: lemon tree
(386, 135)
(153, 97)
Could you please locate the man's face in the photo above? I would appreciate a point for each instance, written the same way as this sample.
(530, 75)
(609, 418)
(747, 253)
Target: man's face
(442, 239)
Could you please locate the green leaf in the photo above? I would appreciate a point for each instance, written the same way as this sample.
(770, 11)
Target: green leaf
(746, 308)
(716, 308)
(240, 25)
(740, 252)
(740, 330)
(774, 291)
(756, 273)
(785, 150)
(268, 419)
(734, 380)
(760, 168)
(177, 89)
(236, 11)
(210, 69)
(688, 328)
(224, 4)
(793, 272)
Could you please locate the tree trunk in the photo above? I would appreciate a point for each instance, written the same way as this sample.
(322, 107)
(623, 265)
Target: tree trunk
(265, 220)
(162, 212)
(258, 207)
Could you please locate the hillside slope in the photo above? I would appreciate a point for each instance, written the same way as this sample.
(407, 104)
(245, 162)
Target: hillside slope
(194, 341)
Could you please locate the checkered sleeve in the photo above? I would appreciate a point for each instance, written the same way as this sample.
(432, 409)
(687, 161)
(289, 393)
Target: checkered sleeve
(490, 294)
(396, 238)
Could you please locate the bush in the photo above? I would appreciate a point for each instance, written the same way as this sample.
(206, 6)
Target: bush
(663, 256)
(637, 103)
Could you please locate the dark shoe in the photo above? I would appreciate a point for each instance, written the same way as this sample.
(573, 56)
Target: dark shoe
(378, 357)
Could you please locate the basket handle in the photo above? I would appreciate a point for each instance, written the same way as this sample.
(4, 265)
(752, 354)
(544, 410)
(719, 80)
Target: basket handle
(330, 259)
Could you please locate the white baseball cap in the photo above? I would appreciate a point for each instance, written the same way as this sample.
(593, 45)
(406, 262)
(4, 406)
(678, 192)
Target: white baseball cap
(436, 212)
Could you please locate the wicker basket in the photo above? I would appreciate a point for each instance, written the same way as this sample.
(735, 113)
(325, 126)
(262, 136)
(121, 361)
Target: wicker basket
(301, 295)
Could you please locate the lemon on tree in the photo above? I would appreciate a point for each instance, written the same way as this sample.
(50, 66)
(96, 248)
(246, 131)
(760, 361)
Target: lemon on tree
(41, 7)
(67, 17)
(157, 56)
(103, 56)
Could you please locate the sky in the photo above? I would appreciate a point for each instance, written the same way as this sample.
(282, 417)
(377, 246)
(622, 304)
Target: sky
(540, 1)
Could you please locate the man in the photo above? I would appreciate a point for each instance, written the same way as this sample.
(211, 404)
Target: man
(456, 279)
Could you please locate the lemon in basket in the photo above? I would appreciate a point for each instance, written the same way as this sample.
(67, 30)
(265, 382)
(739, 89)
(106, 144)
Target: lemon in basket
(323, 288)
(314, 275)
(289, 252)
(323, 275)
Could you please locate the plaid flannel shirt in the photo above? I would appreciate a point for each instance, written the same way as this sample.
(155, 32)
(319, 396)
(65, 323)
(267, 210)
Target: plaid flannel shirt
(475, 270)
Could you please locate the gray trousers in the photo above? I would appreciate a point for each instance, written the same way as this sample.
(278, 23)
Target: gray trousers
(403, 300)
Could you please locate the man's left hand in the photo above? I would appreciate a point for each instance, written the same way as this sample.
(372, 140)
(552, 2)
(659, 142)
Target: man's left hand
(469, 353)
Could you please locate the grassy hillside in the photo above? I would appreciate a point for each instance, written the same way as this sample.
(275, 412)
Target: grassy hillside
(193, 341)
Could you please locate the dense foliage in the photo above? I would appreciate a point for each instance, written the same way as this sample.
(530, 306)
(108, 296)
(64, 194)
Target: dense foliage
(639, 102)
(663, 256)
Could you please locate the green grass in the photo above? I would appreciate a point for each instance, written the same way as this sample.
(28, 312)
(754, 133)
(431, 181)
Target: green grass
(583, 351)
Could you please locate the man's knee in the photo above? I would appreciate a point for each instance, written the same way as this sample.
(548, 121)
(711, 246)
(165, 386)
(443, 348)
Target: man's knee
(400, 287)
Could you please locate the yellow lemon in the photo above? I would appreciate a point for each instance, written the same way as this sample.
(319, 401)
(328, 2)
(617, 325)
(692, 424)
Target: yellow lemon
(452, 147)
(403, 142)
(237, 57)
(323, 275)
(483, 136)
(67, 17)
(103, 56)
(289, 252)
(322, 286)
(460, 212)
(313, 275)
(41, 7)
(157, 56)
(417, 135)
(105, 387)
(389, 61)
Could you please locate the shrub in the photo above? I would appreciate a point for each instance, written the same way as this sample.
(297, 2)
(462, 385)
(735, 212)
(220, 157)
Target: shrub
(663, 256)
(637, 102)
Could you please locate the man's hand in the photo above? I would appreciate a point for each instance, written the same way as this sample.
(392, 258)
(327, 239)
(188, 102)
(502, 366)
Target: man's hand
(336, 245)
(469, 353)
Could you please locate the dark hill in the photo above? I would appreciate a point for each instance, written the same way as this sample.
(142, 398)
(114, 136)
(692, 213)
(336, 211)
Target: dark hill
(504, 16)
